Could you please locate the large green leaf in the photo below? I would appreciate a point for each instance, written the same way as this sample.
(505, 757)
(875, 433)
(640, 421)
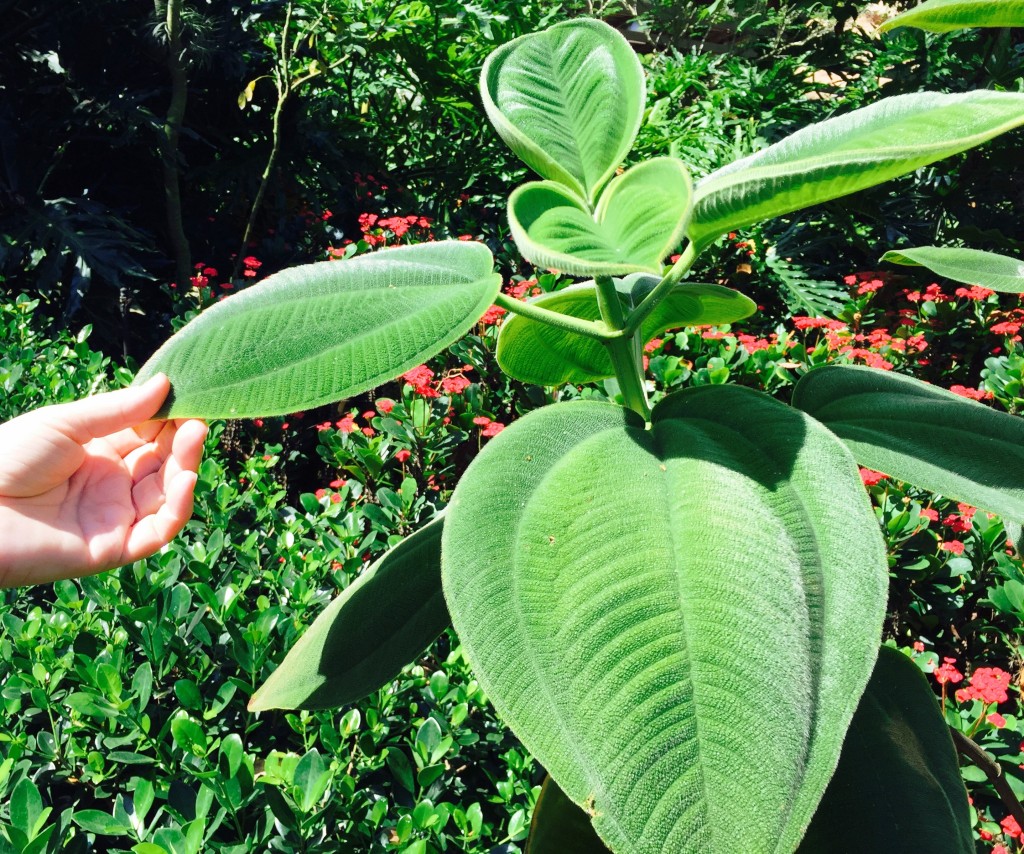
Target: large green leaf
(321, 332)
(537, 353)
(970, 266)
(848, 153)
(921, 434)
(898, 787)
(640, 218)
(942, 16)
(633, 600)
(567, 100)
(376, 626)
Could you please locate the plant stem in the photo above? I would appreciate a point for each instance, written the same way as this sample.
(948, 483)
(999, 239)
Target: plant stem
(170, 136)
(639, 314)
(623, 350)
(588, 328)
(993, 770)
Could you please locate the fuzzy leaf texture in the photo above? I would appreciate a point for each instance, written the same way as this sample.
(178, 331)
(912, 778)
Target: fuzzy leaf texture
(921, 434)
(943, 16)
(632, 600)
(969, 266)
(848, 153)
(537, 353)
(640, 218)
(568, 101)
(322, 332)
(375, 626)
(898, 787)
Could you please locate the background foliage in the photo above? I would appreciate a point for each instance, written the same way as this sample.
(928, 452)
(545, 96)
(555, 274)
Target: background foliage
(122, 697)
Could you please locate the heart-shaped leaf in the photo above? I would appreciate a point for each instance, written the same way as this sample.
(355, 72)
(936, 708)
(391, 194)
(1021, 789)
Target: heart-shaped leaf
(970, 266)
(376, 626)
(321, 332)
(942, 16)
(898, 784)
(632, 601)
(537, 353)
(842, 155)
(567, 100)
(640, 218)
(921, 434)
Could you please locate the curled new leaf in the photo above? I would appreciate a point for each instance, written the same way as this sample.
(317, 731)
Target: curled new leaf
(640, 218)
(537, 353)
(942, 16)
(376, 626)
(321, 332)
(898, 784)
(632, 599)
(921, 434)
(842, 155)
(970, 266)
(567, 100)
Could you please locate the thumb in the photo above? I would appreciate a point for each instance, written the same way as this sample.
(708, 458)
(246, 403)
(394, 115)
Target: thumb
(104, 414)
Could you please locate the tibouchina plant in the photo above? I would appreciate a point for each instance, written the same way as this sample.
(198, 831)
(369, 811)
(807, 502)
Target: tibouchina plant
(635, 587)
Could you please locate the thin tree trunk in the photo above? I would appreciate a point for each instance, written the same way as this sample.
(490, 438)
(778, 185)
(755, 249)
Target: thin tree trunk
(169, 148)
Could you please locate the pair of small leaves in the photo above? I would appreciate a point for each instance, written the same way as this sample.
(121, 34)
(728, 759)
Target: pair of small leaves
(322, 332)
(970, 266)
(897, 787)
(538, 353)
(943, 16)
(569, 101)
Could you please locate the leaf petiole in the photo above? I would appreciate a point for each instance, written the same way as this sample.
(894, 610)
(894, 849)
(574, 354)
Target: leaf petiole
(589, 328)
(639, 314)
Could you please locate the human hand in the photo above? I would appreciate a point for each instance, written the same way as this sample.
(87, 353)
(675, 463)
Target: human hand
(91, 485)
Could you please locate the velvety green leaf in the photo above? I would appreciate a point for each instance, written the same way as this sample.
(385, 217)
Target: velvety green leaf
(632, 600)
(942, 16)
(537, 353)
(376, 626)
(898, 786)
(848, 153)
(639, 220)
(567, 100)
(970, 266)
(561, 827)
(921, 434)
(321, 332)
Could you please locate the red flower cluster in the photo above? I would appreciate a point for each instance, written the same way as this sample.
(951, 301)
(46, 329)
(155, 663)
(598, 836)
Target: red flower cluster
(946, 672)
(421, 379)
(971, 393)
(818, 323)
(379, 231)
(933, 293)
(870, 477)
(987, 684)
(974, 292)
(953, 546)
(1011, 828)
(251, 264)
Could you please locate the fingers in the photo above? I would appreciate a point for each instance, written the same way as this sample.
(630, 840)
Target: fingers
(111, 412)
(151, 533)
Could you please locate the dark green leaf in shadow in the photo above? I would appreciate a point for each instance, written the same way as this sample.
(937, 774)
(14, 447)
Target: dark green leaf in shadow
(376, 626)
(561, 827)
(921, 434)
(537, 353)
(322, 332)
(897, 788)
(970, 266)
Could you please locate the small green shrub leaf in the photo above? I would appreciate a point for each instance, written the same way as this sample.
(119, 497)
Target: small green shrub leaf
(567, 100)
(639, 220)
(321, 332)
(970, 266)
(559, 826)
(376, 626)
(921, 434)
(898, 769)
(848, 153)
(101, 823)
(633, 599)
(942, 16)
(537, 353)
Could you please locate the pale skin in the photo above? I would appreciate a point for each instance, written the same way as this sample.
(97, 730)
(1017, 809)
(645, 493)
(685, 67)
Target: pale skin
(94, 484)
